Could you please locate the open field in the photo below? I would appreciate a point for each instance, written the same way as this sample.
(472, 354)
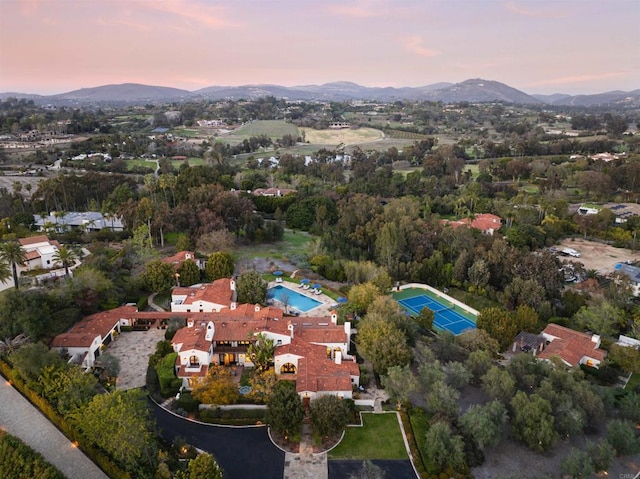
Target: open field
(271, 128)
(598, 256)
(293, 244)
(152, 164)
(345, 136)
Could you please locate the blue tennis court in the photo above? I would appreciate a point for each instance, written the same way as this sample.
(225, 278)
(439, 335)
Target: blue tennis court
(444, 315)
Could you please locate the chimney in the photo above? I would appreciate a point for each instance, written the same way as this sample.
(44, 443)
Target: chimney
(290, 328)
(334, 317)
(256, 308)
(190, 323)
(338, 357)
(232, 284)
(233, 305)
(210, 330)
(347, 329)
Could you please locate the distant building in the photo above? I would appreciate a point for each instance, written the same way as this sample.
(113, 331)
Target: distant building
(40, 251)
(61, 221)
(631, 272)
(572, 347)
(486, 223)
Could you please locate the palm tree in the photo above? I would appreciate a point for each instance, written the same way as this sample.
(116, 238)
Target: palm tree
(66, 257)
(12, 253)
(5, 271)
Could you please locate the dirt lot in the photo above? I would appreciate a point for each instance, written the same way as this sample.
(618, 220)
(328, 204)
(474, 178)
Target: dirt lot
(598, 256)
(346, 136)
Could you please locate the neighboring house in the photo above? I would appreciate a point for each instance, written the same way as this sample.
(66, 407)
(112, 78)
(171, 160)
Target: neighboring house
(572, 347)
(72, 220)
(529, 343)
(181, 256)
(631, 272)
(39, 252)
(485, 222)
(585, 209)
(205, 298)
(84, 341)
(273, 192)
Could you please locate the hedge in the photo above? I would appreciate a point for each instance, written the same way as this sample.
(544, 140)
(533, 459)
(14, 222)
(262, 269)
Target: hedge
(169, 382)
(19, 461)
(236, 417)
(103, 461)
(413, 446)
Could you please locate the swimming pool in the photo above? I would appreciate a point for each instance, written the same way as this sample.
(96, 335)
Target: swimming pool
(292, 298)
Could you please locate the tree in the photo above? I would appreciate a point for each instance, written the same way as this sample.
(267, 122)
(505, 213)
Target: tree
(361, 296)
(217, 387)
(285, 410)
(329, 415)
(533, 421)
(369, 471)
(382, 344)
(10, 345)
(442, 448)
(484, 423)
(458, 376)
(601, 454)
(158, 276)
(12, 253)
(602, 318)
(204, 466)
(499, 324)
(32, 358)
(5, 272)
(443, 399)
(67, 388)
(425, 319)
(261, 352)
(189, 273)
(577, 464)
(119, 423)
(262, 383)
(251, 288)
(399, 383)
(219, 265)
(621, 436)
(478, 363)
(498, 384)
(65, 257)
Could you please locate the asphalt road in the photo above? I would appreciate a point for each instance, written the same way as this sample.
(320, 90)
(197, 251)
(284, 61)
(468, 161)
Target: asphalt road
(399, 469)
(243, 453)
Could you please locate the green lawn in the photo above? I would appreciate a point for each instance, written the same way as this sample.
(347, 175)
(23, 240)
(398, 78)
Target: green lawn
(193, 161)
(271, 128)
(292, 244)
(379, 438)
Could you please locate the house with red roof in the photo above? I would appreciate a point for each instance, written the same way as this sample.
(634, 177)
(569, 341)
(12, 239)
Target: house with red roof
(85, 340)
(180, 257)
(485, 222)
(572, 347)
(39, 252)
(205, 298)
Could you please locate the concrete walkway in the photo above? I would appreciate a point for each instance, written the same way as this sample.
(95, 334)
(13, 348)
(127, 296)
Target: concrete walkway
(19, 418)
(305, 464)
(153, 305)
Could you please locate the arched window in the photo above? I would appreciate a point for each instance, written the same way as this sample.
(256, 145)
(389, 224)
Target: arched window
(194, 361)
(288, 368)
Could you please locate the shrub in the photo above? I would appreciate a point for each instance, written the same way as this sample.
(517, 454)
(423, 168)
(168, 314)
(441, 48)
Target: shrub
(187, 402)
(169, 383)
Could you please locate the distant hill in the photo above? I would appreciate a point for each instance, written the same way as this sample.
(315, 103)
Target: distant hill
(124, 93)
(476, 90)
(479, 90)
(606, 98)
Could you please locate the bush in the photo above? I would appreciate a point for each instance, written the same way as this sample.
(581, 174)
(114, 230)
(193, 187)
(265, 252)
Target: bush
(169, 383)
(20, 461)
(187, 402)
(143, 303)
(236, 417)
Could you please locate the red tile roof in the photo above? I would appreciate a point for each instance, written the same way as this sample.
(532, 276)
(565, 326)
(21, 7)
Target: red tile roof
(33, 240)
(100, 324)
(193, 337)
(180, 257)
(571, 346)
(218, 292)
(484, 222)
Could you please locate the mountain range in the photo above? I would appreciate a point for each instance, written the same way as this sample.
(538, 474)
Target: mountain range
(475, 90)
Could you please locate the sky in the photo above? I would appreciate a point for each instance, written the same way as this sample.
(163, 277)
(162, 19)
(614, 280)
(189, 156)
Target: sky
(537, 46)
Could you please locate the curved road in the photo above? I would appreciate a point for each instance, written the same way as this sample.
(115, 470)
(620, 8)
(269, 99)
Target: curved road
(243, 453)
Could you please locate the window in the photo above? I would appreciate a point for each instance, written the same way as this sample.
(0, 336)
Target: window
(288, 368)
(194, 361)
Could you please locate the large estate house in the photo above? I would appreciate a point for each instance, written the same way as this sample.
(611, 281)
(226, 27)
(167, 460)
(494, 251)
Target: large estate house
(39, 252)
(313, 351)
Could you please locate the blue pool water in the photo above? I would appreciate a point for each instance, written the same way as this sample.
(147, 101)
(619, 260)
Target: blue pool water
(293, 298)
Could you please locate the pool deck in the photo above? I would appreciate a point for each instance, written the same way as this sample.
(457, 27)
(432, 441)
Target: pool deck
(328, 304)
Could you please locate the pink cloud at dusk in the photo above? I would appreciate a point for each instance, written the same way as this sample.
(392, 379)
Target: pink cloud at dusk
(52, 46)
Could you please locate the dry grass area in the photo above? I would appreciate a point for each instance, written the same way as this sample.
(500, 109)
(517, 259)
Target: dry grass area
(346, 136)
(598, 256)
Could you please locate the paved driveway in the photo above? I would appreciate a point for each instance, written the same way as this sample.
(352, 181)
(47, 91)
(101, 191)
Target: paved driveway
(243, 453)
(133, 350)
(19, 418)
